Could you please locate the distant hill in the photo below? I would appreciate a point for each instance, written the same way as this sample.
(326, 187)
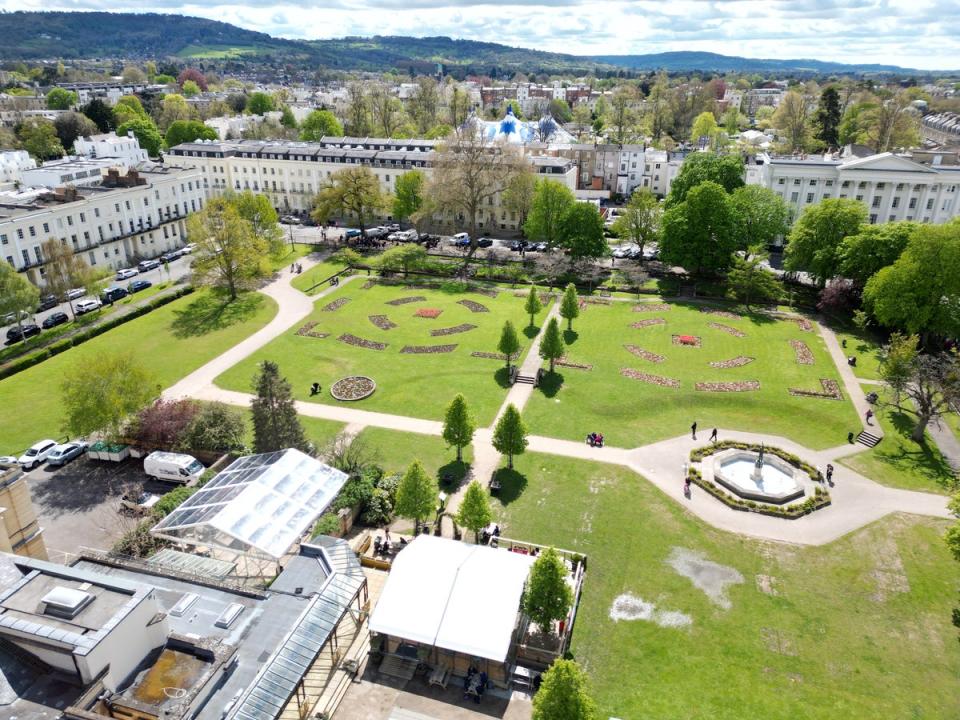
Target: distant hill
(68, 35)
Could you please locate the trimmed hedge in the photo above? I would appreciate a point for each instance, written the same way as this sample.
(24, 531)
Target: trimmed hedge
(820, 499)
(698, 454)
(81, 337)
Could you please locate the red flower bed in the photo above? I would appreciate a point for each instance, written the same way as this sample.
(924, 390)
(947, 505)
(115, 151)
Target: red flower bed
(428, 313)
(687, 340)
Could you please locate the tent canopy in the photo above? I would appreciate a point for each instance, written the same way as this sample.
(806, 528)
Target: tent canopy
(458, 597)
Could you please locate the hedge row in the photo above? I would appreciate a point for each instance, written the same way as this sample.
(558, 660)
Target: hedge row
(820, 499)
(81, 337)
(698, 454)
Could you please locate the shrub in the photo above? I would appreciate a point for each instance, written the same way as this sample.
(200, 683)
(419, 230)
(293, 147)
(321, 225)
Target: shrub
(379, 509)
(217, 427)
(172, 500)
(355, 493)
(138, 542)
(328, 524)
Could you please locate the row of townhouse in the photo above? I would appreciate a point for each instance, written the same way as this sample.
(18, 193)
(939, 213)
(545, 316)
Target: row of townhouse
(124, 219)
(291, 173)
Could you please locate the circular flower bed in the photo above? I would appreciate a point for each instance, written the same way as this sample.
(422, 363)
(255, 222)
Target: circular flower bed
(354, 387)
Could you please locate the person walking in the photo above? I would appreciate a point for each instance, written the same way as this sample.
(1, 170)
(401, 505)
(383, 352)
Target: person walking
(693, 429)
(830, 473)
(869, 415)
(713, 435)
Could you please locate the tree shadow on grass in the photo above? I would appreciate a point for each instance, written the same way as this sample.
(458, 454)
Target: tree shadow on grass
(550, 383)
(502, 376)
(570, 336)
(925, 460)
(450, 476)
(213, 311)
(531, 331)
(512, 484)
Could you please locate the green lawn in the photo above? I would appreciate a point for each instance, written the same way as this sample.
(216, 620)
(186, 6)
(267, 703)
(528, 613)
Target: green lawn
(631, 413)
(306, 280)
(396, 450)
(865, 346)
(859, 628)
(290, 254)
(898, 461)
(170, 342)
(418, 385)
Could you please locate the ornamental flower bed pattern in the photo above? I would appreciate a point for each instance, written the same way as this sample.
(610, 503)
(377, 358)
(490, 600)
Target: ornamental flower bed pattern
(831, 391)
(368, 284)
(721, 313)
(473, 306)
(336, 304)
(645, 354)
(307, 331)
(738, 361)
(495, 356)
(456, 329)
(486, 292)
(429, 313)
(804, 325)
(740, 386)
(802, 352)
(427, 349)
(563, 362)
(382, 322)
(406, 300)
(651, 379)
(651, 307)
(360, 342)
(727, 329)
(686, 340)
(647, 323)
(355, 387)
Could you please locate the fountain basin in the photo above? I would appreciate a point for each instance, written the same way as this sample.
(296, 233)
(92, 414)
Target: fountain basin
(778, 482)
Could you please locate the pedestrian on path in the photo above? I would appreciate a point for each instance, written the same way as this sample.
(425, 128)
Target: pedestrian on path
(693, 429)
(830, 473)
(868, 416)
(713, 435)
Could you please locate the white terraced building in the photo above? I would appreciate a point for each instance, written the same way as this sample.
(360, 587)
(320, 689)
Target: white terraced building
(291, 173)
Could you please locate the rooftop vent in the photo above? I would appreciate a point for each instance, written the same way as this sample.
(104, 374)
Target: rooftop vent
(63, 602)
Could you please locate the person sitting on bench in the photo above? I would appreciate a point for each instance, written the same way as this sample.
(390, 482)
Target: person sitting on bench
(314, 389)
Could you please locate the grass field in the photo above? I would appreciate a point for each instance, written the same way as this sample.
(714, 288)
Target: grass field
(396, 450)
(170, 342)
(898, 461)
(218, 52)
(630, 412)
(859, 628)
(864, 345)
(305, 281)
(418, 385)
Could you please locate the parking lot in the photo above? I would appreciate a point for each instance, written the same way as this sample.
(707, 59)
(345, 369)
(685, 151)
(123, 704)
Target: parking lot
(79, 503)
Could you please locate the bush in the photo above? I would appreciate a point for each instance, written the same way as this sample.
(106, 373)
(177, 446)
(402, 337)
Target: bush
(355, 493)
(379, 509)
(139, 542)
(389, 484)
(328, 524)
(172, 500)
(217, 427)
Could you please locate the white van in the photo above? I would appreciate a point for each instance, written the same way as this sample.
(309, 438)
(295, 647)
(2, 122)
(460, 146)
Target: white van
(460, 239)
(173, 467)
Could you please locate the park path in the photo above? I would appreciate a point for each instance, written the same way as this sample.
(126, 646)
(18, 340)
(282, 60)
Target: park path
(850, 381)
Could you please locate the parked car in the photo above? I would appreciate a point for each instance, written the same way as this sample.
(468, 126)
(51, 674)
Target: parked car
(169, 256)
(173, 467)
(624, 251)
(188, 248)
(393, 227)
(112, 294)
(127, 273)
(351, 234)
(75, 293)
(16, 334)
(139, 503)
(146, 265)
(484, 242)
(62, 454)
(541, 247)
(518, 245)
(36, 454)
(54, 319)
(290, 220)
(10, 318)
(138, 285)
(47, 302)
(460, 240)
(8, 461)
(84, 306)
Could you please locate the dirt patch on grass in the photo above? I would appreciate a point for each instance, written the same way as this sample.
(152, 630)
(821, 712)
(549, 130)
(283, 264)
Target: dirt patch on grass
(767, 585)
(709, 577)
(630, 607)
(889, 574)
(776, 641)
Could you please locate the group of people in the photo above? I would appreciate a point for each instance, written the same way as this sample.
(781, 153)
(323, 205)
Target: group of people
(296, 268)
(595, 439)
(693, 432)
(474, 684)
(385, 545)
(488, 534)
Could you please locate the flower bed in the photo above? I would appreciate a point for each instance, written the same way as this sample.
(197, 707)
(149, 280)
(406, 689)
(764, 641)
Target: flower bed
(651, 379)
(307, 331)
(336, 304)
(563, 362)
(738, 386)
(406, 300)
(645, 354)
(427, 349)
(544, 298)
(651, 307)
(360, 342)
(804, 325)
(495, 356)
(455, 330)
(727, 329)
(738, 361)
(486, 292)
(429, 313)
(368, 284)
(720, 313)
(355, 387)
(820, 499)
(802, 352)
(382, 322)
(686, 340)
(647, 323)
(594, 301)
(473, 306)
(831, 391)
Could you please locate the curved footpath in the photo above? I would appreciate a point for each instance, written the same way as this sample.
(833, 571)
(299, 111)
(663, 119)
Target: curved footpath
(857, 500)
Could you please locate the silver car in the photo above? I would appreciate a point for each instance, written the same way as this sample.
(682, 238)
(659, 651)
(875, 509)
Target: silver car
(62, 454)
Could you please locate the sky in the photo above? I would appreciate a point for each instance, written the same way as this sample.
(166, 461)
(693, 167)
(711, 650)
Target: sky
(911, 33)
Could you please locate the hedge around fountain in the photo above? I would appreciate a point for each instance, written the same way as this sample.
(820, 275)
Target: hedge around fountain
(353, 387)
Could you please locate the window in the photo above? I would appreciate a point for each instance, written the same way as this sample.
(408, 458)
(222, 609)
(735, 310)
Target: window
(83, 217)
(796, 181)
(781, 181)
(4, 241)
(33, 231)
(896, 202)
(860, 198)
(813, 182)
(37, 254)
(794, 197)
(70, 220)
(826, 196)
(881, 186)
(876, 202)
(899, 186)
(930, 204)
(116, 207)
(20, 233)
(913, 203)
(846, 183)
(873, 219)
(46, 228)
(127, 203)
(809, 197)
(26, 257)
(93, 257)
(829, 183)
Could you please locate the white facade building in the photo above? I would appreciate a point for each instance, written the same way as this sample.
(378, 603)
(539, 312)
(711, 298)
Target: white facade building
(76, 171)
(13, 163)
(108, 145)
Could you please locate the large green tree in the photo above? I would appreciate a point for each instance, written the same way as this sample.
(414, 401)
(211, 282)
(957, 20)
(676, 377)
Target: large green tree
(318, 124)
(509, 343)
(474, 512)
(101, 113)
(551, 200)
(261, 216)
(563, 693)
(510, 434)
(61, 99)
(72, 125)
(146, 132)
(704, 126)
(699, 234)
(276, 424)
(547, 597)
(792, 119)
(408, 194)
(128, 108)
(353, 193)
(17, 294)
(873, 248)
(828, 117)
(181, 131)
(228, 253)
(760, 216)
(817, 236)
(417, 494)
(39, 138)
(458, 425)
(700, 167)
(581, 232)
(750, 281)
(552, 347)
(259, 103)
(570, 305)
(639, 223)
(102, 392)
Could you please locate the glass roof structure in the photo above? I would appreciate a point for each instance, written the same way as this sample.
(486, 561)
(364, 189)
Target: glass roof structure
(260, 504)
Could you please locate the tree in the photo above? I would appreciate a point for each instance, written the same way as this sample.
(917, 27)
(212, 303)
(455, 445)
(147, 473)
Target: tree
(510, 434)
(39, 138)
(658, 106)
(101, 114)
(147, 134)
(276, 425)
(358, 110)
(408, 194)
(181, 131)
(570, 305)
(792, 119)
(458, 425)
(760, 214)
(228, 253)
(699, 234)
(509, 343)
(217, 427)
(552, 347)
(622, 116)
(518, 194)
(259, 103)
(17, 294)
(424, 104)
(733, 120)
(827, 118)
(262, 217)
(581, 232)
(386, 110)
(404, 257)
(725, 170)
(192, 75)
(318, 124)
(101, 392)
(237, 102)
(547, 597)
(61, 99)
(817, 235)
(353, 192)
(563, 694)
(873, 248)
(750, 281)
(551, 200)
(174, 107)
(417, 495)
(532, 304)
(63, 268)
(933, 387)
(890, 124)
(474, 512)
(639, 222)
(134, 75)
(128, 108)
(287, 119)
(72, 125)
(896, 362)
(190, 88)
(704, 127)
(162, 424)
(550, 267)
